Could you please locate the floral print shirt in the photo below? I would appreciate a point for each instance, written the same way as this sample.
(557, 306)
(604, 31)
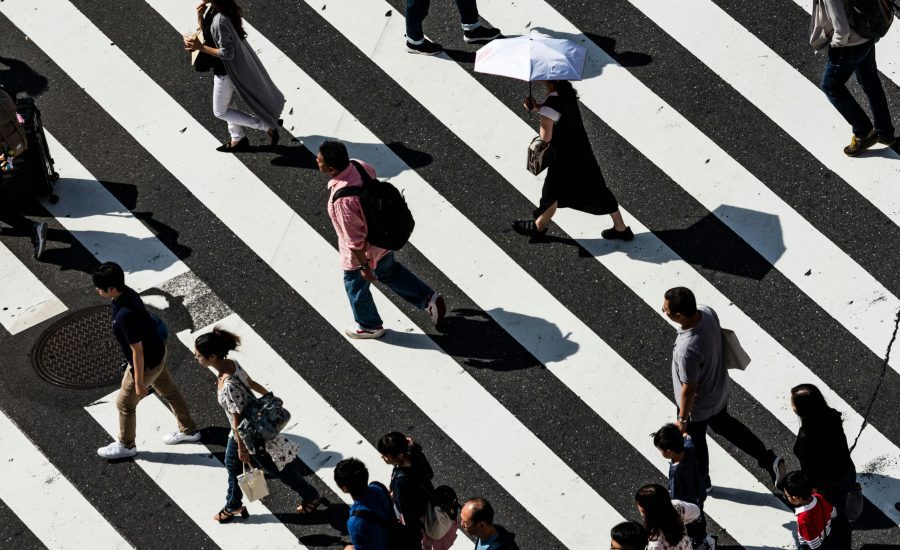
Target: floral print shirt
(233, 397)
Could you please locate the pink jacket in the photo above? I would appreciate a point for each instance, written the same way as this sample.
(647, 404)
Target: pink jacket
(349, 221)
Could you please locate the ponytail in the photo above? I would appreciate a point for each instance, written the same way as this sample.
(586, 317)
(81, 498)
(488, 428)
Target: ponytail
(218, 342)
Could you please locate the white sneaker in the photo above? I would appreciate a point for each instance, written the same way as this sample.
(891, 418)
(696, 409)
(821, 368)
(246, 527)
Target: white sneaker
(359, 333)
(779, 468)
(175, 438)
(710, 541)
(116, 450)
(437, 308)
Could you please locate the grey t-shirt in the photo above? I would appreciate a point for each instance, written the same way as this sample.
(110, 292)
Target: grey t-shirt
(698, 358)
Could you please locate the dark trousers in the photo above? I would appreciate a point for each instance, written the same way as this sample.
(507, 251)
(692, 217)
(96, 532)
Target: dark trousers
(417, 10)
(292, 475)
(836, 495)
(734, 431)
(859, 60)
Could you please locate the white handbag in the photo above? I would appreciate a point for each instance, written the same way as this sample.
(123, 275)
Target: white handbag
(735, 356)
(253, 483)
(437, 522)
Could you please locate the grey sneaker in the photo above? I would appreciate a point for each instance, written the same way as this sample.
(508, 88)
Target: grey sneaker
(175, 438)
(116, 450)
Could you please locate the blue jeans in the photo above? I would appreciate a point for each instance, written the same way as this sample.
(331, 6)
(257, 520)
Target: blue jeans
(842, 64)
(417, 10)
(292, 475)
(394, 276)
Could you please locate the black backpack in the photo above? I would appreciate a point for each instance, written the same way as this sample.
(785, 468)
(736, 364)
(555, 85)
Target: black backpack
(389, 221)
(400, 537)
(871, 18)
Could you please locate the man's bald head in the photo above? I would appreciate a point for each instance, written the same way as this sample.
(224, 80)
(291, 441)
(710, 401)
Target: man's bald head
(477, 518)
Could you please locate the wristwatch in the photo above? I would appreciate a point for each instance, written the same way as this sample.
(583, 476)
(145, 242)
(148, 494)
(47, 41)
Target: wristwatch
(683, 419)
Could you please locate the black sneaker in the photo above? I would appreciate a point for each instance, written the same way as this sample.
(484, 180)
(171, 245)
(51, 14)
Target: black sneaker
(427, 47)
(39, 239)
(480, 35)
(613, 234)
(858, 144)
(887, 140)
(529, 229)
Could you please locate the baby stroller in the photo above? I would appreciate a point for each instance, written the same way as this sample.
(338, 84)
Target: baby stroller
(26, 167)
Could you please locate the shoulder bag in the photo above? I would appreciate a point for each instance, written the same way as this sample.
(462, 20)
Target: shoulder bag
(262, 418)
(735, 356)
(538, 155)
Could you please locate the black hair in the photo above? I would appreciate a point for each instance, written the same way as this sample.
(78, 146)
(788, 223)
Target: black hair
(231, 10)
(565, 89)
(797, 484)
(109, 275)
(681, 300)
(393, 444)
(660, 518)
(334, 154)
(669, 438)
(218, 342)
(630, 535)
(352, 474)
(809, 401)
(482, 511)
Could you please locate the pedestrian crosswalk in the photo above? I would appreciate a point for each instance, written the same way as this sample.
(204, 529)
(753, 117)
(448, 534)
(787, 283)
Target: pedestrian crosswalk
(558, 434)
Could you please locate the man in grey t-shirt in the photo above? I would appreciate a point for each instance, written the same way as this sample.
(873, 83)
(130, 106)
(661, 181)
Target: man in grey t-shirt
(702, 386)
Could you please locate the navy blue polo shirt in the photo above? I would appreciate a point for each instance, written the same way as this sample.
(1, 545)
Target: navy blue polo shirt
(132, 324)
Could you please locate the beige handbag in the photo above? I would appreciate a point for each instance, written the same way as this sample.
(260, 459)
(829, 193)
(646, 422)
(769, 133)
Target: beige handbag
(253, 484)
(538, 155)
(196, 53)
(735, 356)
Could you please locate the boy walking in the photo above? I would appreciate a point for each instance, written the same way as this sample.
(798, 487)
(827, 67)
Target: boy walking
(371, 512)
(145, 352)
(816, 518)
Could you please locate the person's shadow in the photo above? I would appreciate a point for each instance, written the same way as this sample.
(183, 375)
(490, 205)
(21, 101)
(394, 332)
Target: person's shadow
(19, 78)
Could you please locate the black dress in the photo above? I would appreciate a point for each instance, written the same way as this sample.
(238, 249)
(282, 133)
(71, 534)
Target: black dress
(574, 179)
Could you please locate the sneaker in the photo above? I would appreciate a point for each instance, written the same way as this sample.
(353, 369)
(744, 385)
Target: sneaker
(437, 308)
(612, 234)
(480, 35)
(116, 450)
(887, 140)
(858, 145)
(39, 239)
(427, 47)
(779, 471)
(175, 438)
(359, 333)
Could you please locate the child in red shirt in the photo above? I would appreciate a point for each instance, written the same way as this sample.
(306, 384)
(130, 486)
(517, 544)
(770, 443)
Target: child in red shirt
(814, 513)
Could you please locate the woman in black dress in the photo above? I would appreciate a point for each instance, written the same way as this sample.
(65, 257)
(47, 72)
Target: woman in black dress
(822, 450)
(574, 179)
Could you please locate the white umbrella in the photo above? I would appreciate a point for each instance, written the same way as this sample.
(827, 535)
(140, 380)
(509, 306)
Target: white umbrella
(532, 57)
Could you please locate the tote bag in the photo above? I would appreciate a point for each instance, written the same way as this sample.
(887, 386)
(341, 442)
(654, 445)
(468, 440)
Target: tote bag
(253, 483)
(735, 356)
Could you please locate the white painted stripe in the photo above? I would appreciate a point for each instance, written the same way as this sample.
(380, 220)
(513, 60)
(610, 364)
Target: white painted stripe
(646, 265)
(324, 436)
(106, 228)
(193, 478)
(514, 299)
(780, 92)
(24, 300)
(888, 49)
(492, 436)
(46, 502)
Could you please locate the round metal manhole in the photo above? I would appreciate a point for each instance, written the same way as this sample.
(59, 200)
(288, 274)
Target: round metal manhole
(79, 351)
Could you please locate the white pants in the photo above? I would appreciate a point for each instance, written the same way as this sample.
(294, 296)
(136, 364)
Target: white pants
(223, 95)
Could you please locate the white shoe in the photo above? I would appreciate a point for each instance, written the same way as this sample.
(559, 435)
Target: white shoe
(175, 438)
(116, 450)
(437, 308)
(779, 468)
(359, 333)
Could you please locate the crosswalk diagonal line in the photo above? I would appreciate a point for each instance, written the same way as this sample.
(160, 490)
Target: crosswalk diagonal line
(780, 92)
(105, 227)
(187, 473)
(488, 432)
(324, 436)
(46, 502)
(514, 299)
(649, 279)
(24, 300)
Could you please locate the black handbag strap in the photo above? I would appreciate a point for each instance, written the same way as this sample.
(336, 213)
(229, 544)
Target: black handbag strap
(249, 391)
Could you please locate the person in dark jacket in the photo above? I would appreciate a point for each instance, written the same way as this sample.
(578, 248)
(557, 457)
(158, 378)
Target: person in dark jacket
(476, 519)
(822, 450)
(574, 179)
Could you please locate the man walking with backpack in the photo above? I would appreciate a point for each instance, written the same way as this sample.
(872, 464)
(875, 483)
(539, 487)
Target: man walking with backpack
(362, 261)
(851, 50)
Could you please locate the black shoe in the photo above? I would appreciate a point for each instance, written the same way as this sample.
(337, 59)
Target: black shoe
(427, 47)
(273, 136)
(242, 145)
(39, 239)
(529, 229)
(480, 35)
(858, 144)
(612, 234)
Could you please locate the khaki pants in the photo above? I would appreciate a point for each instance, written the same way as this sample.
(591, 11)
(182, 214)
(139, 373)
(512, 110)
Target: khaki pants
(160, 379)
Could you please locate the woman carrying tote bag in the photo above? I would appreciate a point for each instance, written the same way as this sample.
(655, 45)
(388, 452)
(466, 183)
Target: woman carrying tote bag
(244, 74)
(279, 456)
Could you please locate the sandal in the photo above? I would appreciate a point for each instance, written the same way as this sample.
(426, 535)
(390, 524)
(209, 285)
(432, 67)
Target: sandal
(224, 515)
(311, 506)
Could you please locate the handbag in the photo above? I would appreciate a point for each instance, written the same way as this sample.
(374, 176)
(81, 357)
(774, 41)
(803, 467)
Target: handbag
(735, 356)
(437, 522)
(253, 483)
(202, 62)
(262, 418)
(538, 155)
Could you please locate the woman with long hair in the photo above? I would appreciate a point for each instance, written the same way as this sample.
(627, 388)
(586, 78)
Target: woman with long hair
(236, 68)
(821, 447)
(574, 179)
(277, 456)
(664, 518)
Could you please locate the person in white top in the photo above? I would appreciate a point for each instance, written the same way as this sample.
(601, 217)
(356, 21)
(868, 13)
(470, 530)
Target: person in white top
(665, 518)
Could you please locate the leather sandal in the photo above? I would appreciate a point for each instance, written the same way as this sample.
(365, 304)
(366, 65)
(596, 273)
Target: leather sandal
(311, 506)
(225, 515)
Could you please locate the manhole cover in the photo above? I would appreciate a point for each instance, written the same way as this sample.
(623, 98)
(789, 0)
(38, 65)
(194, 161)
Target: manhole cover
(79, 351)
